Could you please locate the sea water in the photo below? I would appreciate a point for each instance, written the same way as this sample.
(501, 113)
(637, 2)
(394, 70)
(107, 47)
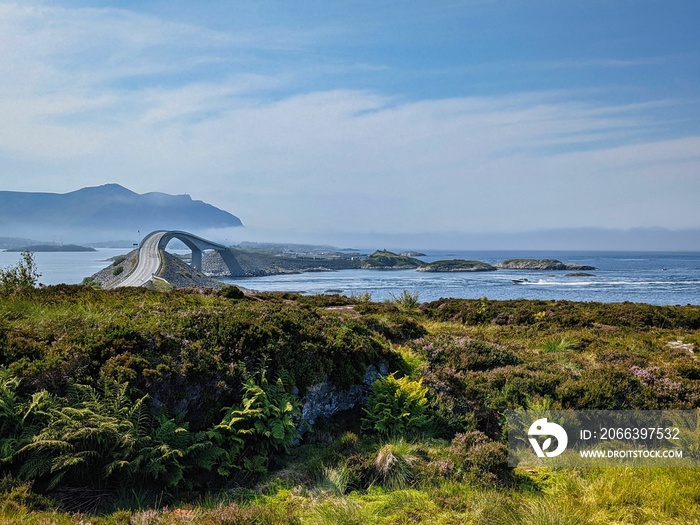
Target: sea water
(662, 278)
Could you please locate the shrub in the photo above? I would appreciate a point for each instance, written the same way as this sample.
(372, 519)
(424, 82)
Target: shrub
(605, 389)
(395, 327)
(396, 407)
(405, 301)
(118, 270)
(477, 457)
(466, 354)
(232, 292)
(17, 496)
(21, 276)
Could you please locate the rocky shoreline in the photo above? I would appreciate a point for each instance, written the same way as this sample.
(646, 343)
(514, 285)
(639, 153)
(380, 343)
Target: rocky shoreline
(247, 262)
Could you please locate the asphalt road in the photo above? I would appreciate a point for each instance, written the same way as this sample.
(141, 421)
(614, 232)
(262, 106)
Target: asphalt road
(148, 264)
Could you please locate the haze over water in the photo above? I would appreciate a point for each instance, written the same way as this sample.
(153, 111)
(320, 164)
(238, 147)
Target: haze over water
(661, 278)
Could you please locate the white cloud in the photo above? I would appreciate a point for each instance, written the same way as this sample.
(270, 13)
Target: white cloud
(101, 95)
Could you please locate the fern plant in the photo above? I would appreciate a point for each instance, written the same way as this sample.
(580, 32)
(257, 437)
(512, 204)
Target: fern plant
(102, 439)
(264, 422)
(10, 417)
(20, 418)
(396, 406)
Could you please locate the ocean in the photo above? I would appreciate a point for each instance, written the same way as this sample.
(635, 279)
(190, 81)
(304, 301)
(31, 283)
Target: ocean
(661, 278)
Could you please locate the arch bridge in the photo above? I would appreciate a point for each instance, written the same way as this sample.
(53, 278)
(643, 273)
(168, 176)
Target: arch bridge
(153, 245)
(193, 242)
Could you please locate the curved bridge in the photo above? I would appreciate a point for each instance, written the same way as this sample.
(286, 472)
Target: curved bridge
(150, 259)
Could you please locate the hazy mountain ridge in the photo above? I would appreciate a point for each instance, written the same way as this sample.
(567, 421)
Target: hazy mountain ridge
(108, 211)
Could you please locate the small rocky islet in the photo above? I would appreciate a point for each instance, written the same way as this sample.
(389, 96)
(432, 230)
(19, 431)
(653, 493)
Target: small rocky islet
(386, 260)
(457, 265)
(542, 264)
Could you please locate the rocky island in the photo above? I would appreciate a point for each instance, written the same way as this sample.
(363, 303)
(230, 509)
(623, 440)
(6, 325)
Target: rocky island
(541, 264)
(457, 265)
(386, 260)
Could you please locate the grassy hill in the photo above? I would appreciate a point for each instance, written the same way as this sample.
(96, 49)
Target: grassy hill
(138, 406)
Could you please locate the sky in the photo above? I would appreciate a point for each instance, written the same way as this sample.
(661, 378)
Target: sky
(314, 119)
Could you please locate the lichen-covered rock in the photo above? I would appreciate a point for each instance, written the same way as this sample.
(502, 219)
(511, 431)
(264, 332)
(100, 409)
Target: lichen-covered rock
(325, 399)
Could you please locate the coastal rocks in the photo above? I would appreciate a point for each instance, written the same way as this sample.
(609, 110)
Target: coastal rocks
(457, 265)
(324, 399)
(412, 254)
(684, 347)
(121, 267)
(386, 260)
(541, 264)
(249, 262)
(174, 273)
(179, 274)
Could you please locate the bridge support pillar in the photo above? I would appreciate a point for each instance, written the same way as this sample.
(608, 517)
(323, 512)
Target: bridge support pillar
(197, 259)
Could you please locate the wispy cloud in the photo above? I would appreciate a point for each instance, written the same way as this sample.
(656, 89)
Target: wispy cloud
(109, 95)
(599, 62)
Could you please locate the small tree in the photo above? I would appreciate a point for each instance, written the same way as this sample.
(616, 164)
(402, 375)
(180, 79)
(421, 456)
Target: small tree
(23, 275)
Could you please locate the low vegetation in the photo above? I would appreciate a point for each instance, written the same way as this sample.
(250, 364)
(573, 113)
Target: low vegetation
(142, 407)
(386, 260)
(20, 276)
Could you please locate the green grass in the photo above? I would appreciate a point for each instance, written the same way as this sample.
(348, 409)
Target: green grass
(563, 344)
(477, 359)
(405, 301)
(596, 496)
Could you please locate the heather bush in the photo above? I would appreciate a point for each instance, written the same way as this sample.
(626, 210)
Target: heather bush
(463, 353)
(189, 352)
(477, 457)
(395, 327)
(564, 314)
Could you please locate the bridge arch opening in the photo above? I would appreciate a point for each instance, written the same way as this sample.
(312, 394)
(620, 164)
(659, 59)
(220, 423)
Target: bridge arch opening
(197, 245)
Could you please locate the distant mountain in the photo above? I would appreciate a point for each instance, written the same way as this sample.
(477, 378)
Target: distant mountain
(105, 212)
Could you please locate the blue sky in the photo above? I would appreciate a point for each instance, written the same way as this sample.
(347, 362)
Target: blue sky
(314, 119)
